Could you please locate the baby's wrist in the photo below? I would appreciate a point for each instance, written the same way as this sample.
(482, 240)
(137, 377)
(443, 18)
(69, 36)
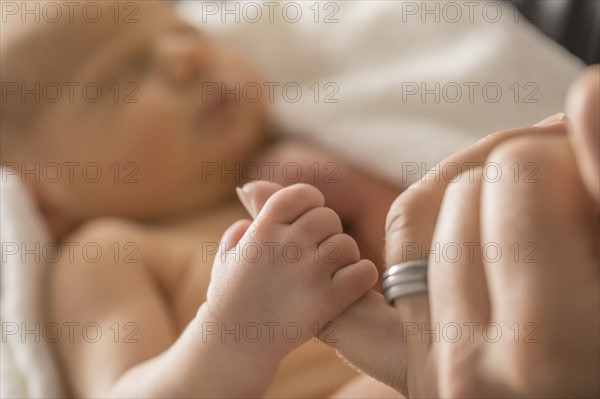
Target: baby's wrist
(252, 341)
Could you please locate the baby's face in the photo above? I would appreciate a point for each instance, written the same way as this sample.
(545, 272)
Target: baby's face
(160, 128)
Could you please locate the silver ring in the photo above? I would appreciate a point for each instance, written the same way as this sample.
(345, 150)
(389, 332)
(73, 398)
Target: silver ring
(404, 279)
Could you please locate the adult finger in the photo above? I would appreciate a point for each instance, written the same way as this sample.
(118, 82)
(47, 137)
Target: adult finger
(544, 278)
(457, 285)
(583, 109)
(412, 217)
(410, 227)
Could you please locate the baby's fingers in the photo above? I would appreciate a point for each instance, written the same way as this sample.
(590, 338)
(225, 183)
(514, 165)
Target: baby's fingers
(278, 204)
(254, 195)
(234, 233)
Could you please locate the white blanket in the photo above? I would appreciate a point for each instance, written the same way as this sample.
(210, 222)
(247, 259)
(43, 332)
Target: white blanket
(371, 61)
(28, 368)
(377, 61)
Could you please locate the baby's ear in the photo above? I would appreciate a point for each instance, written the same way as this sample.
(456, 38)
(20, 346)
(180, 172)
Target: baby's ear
(583, 110)
(254, 195)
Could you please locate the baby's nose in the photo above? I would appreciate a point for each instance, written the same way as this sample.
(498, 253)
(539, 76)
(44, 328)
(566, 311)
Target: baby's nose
(183, 61)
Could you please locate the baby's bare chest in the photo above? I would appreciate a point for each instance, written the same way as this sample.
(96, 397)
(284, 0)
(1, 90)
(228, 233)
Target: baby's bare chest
(181, 258)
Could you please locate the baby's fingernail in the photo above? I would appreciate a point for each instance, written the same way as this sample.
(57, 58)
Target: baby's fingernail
(552, 119)
(245, 200)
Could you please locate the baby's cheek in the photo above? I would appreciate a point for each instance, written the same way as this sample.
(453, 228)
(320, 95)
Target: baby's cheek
(152, 127)
(147, 138)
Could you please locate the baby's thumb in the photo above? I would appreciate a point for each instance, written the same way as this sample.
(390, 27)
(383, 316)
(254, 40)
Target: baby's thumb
(254, 195)
(234, 234)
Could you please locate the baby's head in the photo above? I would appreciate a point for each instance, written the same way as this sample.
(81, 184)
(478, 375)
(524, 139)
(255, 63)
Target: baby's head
(137, 98)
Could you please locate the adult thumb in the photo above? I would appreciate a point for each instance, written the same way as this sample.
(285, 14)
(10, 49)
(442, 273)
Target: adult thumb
(583, 110)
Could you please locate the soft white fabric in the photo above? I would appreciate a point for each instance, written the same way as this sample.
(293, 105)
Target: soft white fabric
(373, 49)
(375, 52)
(27, 366)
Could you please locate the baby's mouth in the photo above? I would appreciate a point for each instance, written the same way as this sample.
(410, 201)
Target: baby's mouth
(218, 113)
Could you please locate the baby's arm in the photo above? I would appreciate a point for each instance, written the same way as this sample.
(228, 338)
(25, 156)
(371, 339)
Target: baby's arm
(200, 364)
(275, 290)
(203, 362)
(111, 306)
(122, 338)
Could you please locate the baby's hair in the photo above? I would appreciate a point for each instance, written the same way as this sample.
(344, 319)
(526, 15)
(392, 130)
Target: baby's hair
(19, 65)
(39, 54)
(36, 56)
(27, 46)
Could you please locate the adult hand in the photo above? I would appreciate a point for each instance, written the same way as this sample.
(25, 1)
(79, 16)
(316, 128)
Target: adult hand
(511, 235)
(520, 322)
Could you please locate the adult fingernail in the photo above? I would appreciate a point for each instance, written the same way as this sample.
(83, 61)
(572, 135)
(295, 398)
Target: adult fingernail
(552, 119)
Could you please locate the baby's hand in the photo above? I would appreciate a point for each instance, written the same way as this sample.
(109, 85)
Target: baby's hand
(284, 276)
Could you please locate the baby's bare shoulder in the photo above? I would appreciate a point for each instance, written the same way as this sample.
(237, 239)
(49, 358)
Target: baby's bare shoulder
(97, 251)
(105, 250)
(110, 249)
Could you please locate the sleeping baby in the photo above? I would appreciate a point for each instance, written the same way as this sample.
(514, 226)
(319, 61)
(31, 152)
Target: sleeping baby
(193, 298)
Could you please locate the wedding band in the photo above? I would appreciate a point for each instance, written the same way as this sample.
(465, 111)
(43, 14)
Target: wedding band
(404, 279)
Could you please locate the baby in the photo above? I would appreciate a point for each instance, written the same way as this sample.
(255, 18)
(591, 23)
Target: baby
(145, 179)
